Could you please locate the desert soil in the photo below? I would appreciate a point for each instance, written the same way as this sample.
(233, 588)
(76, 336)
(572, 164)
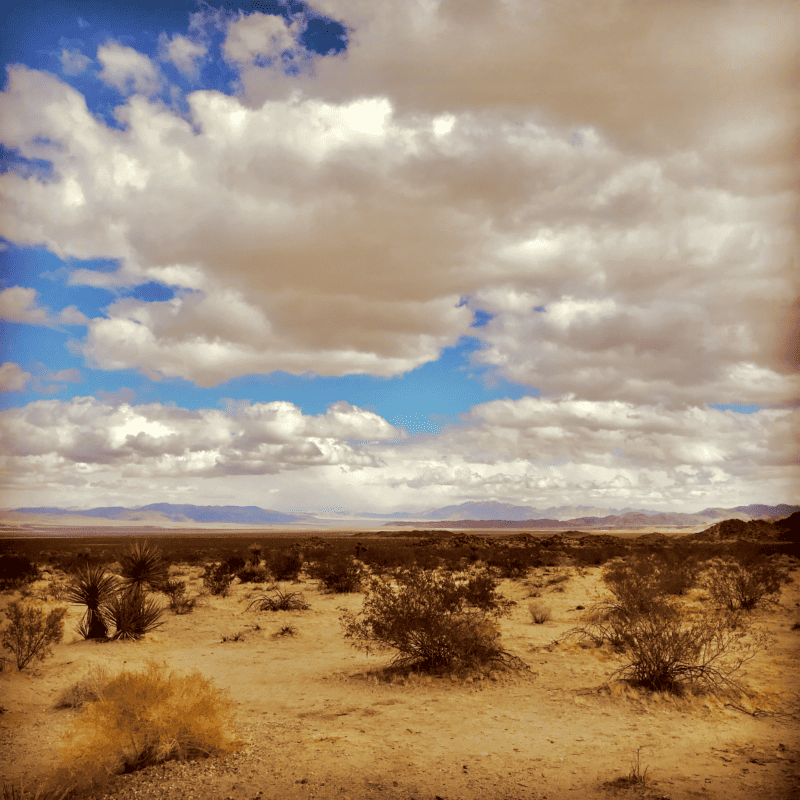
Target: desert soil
(319, 722)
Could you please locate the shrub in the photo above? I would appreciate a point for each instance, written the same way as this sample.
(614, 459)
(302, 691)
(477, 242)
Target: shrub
(667, 650)
(431, 620)
(285, 565)
(634, 583)
(734, 585)
(540, 613)
(142, 566)
(88, 689)
(339, 574)
(133, 614)
(179, 603)
(92, 587)
(252, 574)
(145, 718)
(30, 634)
(278, 600)
(16, 571)
(217, 579)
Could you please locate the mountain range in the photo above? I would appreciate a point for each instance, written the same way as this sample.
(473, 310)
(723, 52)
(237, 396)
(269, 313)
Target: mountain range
(469, 514)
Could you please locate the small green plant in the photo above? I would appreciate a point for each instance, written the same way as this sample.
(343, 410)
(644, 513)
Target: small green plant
(540, 613)
(145, 718)
(30, 634)
(638, 777)
(279, 600)
(431, 620)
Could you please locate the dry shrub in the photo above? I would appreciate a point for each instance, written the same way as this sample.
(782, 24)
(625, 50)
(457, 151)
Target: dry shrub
(669, 649)
(179, 602)
(144, 718)
(735, 586)
(88, 689)
(432, 620)
(540, 613)
(30, 634)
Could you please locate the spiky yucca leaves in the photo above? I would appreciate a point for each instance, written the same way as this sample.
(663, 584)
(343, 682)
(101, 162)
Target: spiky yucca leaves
(92, 587)
(134, 614)
(143, 566)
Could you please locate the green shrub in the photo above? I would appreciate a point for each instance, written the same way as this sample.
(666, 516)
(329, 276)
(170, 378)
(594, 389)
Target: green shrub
(284, 565)
(30, 634)
(253, 574)
(145, 718)
(734, 585)
(431, 620)
(217, 578)
(338, 573)
(179, 603)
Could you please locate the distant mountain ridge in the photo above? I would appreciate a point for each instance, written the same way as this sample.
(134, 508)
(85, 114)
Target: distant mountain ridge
(465, 515)
(247, 515)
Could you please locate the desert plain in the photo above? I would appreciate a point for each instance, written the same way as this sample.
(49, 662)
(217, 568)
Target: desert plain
(320, 719)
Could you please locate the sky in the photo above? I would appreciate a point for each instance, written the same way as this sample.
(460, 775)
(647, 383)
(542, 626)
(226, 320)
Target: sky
(379, 256)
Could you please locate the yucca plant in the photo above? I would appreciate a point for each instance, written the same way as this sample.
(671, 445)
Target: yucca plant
(133, 614)
(143, 566)
(92, 587)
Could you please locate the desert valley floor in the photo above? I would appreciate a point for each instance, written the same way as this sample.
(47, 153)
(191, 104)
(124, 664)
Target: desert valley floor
(320, 720)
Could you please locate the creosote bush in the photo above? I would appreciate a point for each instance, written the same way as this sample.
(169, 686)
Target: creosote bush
(16, 571)
(734, 585)
(338, 573)
(284, 565)
(30, 634)
(144, 718)
(431, 620)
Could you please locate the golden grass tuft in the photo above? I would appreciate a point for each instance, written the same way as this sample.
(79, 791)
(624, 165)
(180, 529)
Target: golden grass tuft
(144, 718)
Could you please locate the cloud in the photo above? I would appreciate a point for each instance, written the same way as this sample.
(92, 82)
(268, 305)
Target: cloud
(257, 37)
(18, 304)
(73, 62)
(87, 435)
(13, 378)
(128, 70)
(645, 203)
(184, 53)
(530, 451)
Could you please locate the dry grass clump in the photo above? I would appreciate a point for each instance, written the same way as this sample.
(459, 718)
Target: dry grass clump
(88, 689)
(540, 613)
(144, 718)
(277, 599)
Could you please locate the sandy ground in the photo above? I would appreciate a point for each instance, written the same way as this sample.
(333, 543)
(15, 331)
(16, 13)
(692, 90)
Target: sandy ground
(318, 723)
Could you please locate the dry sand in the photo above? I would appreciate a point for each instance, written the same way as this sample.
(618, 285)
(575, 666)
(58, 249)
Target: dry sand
(318, 723)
